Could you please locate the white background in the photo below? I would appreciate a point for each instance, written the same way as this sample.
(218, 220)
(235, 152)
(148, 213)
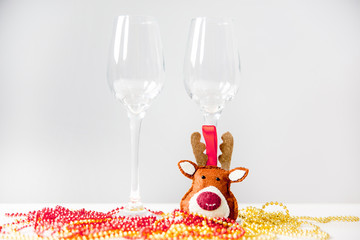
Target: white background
(295, 119)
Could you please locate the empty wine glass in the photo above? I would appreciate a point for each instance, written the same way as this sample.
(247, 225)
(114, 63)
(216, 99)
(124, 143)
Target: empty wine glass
(136, 76)
(212, 66)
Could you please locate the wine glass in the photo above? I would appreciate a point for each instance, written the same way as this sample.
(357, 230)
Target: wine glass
(136, 76)
(212, 65)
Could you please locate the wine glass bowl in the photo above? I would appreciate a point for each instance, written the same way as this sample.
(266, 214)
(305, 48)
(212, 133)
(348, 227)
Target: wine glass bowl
(136, 76)
(136, 65)
(212, 65)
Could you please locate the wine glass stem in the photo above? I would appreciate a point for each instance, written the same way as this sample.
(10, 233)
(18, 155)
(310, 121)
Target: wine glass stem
(211, 118)
(135, 125)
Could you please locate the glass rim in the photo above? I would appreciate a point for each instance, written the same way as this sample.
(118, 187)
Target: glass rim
(137, 17)
(215, 19)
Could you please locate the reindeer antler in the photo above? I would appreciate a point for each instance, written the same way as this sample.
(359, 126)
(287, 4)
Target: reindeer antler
(198, 149)
(226, 148)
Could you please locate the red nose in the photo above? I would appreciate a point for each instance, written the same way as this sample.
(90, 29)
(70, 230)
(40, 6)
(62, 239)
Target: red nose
(208, 201)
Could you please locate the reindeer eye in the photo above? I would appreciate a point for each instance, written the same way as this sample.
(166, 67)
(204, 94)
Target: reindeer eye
(217, 179)
(203, 177)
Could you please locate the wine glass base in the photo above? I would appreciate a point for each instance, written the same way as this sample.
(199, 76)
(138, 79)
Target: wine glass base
(139, 213)
(134, 209)
(134, 206)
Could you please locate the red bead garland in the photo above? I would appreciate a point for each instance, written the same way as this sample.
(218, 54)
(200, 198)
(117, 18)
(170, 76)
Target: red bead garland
(63, 223)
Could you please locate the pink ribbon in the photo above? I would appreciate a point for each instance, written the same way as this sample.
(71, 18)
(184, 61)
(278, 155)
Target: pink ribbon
(210, 136)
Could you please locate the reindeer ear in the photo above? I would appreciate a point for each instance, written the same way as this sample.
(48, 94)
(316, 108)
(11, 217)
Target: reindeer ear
(187, 168)
(238, 174)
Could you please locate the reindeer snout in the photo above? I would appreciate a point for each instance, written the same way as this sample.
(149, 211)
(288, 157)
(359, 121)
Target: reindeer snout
(208, 201)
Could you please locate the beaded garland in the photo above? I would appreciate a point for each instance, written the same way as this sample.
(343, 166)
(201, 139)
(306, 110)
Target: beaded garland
(268, 225)
(63, 223)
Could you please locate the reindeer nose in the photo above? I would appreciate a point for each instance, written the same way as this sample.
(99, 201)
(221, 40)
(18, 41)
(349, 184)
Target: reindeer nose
(208, 201)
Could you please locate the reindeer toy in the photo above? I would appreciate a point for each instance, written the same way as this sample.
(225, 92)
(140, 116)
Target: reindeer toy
(210, 193)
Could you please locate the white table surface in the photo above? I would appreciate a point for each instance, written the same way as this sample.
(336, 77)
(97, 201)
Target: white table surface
(337, 230)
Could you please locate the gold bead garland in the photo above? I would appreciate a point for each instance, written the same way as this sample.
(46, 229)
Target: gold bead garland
(331, 219)
(259, 224)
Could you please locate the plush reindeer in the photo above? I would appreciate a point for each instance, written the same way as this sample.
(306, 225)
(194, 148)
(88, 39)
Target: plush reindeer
(210, 193)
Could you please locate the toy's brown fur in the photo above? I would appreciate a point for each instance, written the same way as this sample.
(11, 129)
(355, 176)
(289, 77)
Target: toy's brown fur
(211, 173)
